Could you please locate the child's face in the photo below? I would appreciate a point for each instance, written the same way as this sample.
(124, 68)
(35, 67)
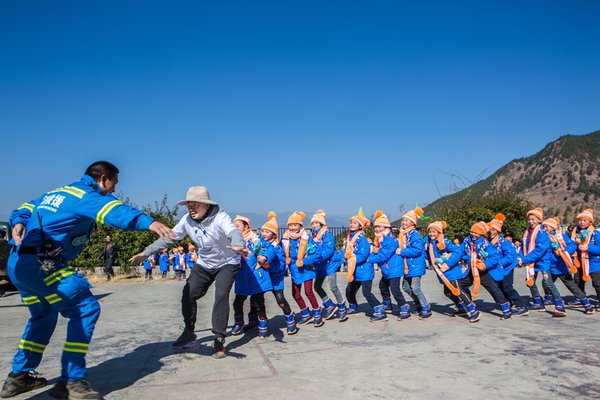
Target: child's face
(294, 227)
(456, 242)
(240, 225)
(267, 235)
(475, 236)
(549, 229)
(379, 229)
(433, 234)
(493, 233)
(406, 223)
(316, 225)
(354, 225)
(583, 223)
(533, 221)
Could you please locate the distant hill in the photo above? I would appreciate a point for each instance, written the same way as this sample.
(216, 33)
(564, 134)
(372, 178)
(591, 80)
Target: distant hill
(563, 178)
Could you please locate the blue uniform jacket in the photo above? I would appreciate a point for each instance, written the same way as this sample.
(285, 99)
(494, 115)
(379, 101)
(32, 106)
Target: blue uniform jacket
(507, 253)
(413, 254)
(557, 264)
(463, 252)
(390, 263)
(277, 267)
(437, 253)
(364, 270)
(163, 262)
(326, 250)
(308, 271)
(541, 255)
(593, 249)
(251, 280)
(66, 216)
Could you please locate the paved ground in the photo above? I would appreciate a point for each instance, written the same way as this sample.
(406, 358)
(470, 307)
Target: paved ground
(539, 357)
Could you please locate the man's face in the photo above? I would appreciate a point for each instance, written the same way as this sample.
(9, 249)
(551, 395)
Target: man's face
(107, 185)
(583, 223)
(108, 239)
(197, 210)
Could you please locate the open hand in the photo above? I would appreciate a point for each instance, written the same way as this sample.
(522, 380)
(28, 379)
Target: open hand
(137, 259)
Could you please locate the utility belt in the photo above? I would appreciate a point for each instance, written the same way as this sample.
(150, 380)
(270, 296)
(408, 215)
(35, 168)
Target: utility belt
(24, 250)
(47, 256)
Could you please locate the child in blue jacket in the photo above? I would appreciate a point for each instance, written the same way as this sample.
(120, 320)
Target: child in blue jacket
(148, 266)
(413, 256)
(507, 262)
(587, 256)
(561, 264)
(191, 257)
(360, 272)
(327, 266)
(163, 263)
(536, 252)
(390, 264)
(277, 270)
(301, 255)
(253, 280)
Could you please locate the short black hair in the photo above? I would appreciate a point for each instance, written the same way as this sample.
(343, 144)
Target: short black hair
(99, 168)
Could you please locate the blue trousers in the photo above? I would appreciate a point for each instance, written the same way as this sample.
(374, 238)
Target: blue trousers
(62, 291)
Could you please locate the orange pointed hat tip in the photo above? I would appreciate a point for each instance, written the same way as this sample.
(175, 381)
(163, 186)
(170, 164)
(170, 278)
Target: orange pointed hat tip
(500, 217)
(271, 215)
(419, 211)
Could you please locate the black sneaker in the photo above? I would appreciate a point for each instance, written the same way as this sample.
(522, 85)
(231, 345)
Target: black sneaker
(59, 391)
(219, 350)
(81, 389)
(185, 339)
(20, 383)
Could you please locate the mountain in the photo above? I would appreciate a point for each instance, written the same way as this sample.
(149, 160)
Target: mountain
(563, 178)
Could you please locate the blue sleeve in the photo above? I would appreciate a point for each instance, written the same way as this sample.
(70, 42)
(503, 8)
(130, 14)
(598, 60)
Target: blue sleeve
(491, 261)
(386, 251)
(362, 250)
(110, 211)
(269, 252)
(328, 247)
(542, 244)
(456, 256)
(23, 213)
(415, 248)
(571, 246)
(594, 246)
(450, 247)
(508, 255)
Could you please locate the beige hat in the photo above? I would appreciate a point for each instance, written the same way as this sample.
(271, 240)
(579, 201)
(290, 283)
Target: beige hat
(198, 194)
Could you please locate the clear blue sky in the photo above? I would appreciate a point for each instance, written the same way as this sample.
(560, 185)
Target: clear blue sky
(289, 105)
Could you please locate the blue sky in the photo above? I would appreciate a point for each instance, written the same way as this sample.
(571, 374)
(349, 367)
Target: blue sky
(289, 105)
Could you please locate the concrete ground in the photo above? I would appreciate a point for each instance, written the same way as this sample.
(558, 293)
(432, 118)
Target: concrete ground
(538, 357)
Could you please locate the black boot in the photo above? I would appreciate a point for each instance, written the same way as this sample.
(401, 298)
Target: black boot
(219, 350)
(20, 383)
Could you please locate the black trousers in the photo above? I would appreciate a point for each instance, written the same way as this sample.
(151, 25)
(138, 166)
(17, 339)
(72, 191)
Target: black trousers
(108, 269)
(353, 287)
(282, 302)
(465, 293)
(569, 282)
(201, 278)
(393, 285)
(492, 287)
(257, 306)
(506, 286)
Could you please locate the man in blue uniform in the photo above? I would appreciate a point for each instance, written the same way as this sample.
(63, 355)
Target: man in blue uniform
(47, 233)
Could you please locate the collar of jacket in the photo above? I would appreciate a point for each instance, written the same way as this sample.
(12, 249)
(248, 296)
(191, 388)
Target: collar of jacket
(87, 180)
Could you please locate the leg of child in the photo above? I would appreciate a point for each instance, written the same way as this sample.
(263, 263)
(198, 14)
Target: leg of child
(319, 288)
(351, 290)
(366, 291)
(407, 286)
(490, 285)
(569, 283)
(308, 290)
(510, 292)
(335, 289)
(394, 285)
(384, 289)
(282, 302)
(297, 295)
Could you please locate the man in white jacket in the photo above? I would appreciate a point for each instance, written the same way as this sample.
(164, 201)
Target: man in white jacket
(220, 246)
